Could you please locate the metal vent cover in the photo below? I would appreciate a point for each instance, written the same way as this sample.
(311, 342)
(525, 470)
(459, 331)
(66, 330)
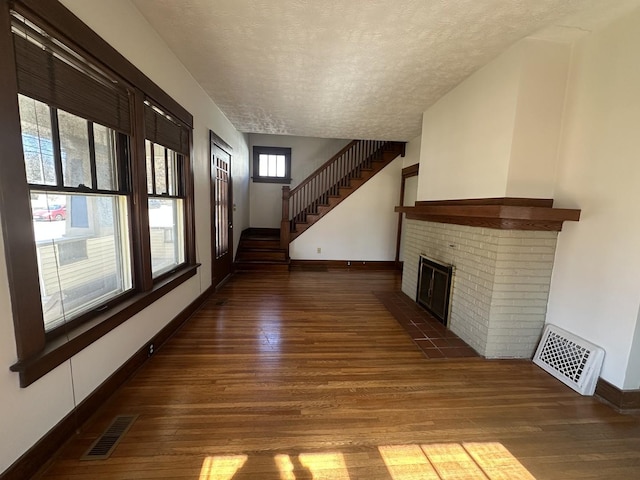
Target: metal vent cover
(106, 443)
(571, 359)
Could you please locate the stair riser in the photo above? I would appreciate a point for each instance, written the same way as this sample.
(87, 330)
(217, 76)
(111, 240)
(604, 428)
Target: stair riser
(261, 267)
(262, 256)
(264, 244)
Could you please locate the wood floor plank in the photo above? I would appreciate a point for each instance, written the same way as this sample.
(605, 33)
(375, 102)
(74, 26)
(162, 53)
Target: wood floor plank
(306, 375)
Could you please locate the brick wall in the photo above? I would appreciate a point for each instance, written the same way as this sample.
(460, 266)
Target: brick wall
(500, 283)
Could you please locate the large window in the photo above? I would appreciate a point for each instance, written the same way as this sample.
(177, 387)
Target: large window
(271, 164)
(166, 208)
(79, 205)
(97, 187)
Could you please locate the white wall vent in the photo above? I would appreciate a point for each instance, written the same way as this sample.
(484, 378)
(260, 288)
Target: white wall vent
(570, 359)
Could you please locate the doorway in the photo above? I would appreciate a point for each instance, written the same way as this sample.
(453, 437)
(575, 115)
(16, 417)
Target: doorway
(221, 210)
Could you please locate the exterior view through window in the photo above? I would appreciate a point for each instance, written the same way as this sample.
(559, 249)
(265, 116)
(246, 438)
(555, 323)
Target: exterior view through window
(79, 210)
(166, 209)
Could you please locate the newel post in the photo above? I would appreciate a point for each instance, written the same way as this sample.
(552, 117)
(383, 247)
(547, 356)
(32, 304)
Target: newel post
(285, 228)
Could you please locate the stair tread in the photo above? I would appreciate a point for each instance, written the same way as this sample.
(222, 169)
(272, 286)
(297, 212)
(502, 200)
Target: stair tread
(267, 262)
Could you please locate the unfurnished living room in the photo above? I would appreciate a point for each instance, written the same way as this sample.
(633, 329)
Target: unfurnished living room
(337, 240)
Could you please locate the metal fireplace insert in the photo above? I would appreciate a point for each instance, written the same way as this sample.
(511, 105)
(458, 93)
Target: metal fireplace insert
(434, 287)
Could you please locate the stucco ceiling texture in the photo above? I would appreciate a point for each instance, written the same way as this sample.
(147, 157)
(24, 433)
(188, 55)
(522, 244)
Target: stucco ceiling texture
(342, 68)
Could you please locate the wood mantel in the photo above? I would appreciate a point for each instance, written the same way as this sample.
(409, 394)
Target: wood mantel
(504, 213)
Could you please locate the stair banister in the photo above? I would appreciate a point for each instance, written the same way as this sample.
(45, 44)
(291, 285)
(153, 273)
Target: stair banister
(285, 229)
(317, 194)
(323, 167)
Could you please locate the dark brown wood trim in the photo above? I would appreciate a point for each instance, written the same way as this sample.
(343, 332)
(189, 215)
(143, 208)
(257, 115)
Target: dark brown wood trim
(407, 172)
(40, 454)
(497, 213)
(17, 229)
(621, 399)
(220, 142)
(62, 348)
(140, 208)
(509, 201)
(72, 29)
(344, 264)
(189, 207)
(411, 170)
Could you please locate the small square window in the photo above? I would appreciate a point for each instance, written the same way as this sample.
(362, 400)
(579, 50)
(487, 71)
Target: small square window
(271, 164)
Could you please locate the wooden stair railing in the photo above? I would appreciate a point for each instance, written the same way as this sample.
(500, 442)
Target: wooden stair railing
(350, 164)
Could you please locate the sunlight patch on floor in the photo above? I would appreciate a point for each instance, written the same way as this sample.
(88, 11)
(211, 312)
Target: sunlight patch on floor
(449, 461)
(439, 461)
(221, 467)
(325, 466)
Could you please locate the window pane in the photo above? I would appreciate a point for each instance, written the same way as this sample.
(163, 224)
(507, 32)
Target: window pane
(172, 173)
(272, 165)
(35, 121)
(74, 146)
(149, 156)
(166, 231)
(82, 252)
(264, 165)
(105, 145)
(160, 169)
(280, 166)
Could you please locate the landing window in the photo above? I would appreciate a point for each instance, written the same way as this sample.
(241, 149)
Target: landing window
(272, 164)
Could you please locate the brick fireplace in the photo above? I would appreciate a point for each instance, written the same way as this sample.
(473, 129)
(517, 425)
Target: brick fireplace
(502, 268)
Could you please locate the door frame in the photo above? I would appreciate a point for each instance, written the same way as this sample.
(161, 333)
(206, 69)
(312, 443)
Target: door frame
(407, 172)
(216, 141)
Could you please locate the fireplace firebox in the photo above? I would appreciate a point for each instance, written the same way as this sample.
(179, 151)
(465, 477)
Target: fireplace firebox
(434, 287)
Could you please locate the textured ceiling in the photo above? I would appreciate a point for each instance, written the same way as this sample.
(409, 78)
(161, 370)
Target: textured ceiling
(348, 68)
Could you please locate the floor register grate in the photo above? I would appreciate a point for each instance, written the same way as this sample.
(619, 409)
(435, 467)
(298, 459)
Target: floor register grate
(571, 359)
(106, 443)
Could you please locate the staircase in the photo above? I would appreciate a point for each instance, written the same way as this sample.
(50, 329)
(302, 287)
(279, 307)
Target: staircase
(259, 249)
(333, 182)
(321, 192)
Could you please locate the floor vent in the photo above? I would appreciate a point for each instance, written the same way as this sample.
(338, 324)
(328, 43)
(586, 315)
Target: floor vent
(219, 302)
(104, 446)
(570, 359)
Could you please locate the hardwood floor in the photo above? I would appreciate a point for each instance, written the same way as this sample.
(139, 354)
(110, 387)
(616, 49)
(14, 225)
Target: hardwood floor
(305, 375)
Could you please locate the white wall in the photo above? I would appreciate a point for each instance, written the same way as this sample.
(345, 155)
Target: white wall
(307, 154)
(538, 120)
(497, 133)
(466, 135)
(363, 227)
(595, 289)
(412, 152)
(30, 412)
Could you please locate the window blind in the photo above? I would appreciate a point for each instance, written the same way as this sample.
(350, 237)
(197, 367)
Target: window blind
(50, 72)
(160, 129)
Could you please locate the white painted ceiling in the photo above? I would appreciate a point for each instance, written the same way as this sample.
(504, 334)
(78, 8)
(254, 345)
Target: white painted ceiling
(350, 68)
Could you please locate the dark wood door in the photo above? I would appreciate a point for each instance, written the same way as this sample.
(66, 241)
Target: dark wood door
(221, 210)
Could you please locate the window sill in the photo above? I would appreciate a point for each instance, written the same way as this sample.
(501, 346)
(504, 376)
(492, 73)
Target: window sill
(62, 348)
(283, 180)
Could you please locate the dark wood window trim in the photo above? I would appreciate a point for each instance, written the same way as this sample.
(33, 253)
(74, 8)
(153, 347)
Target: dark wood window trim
(39, 353)
(66, 346)
(257, 151)
(407, 172)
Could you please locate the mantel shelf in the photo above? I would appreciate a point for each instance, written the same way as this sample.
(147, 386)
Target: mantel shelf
(503, 213)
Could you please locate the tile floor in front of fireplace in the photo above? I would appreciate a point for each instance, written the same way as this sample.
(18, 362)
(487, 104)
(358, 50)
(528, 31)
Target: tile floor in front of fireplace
(433, 338)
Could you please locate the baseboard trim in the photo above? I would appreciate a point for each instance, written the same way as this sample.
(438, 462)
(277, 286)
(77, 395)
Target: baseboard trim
(621, 399)
(344, 264)
(41, 453)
